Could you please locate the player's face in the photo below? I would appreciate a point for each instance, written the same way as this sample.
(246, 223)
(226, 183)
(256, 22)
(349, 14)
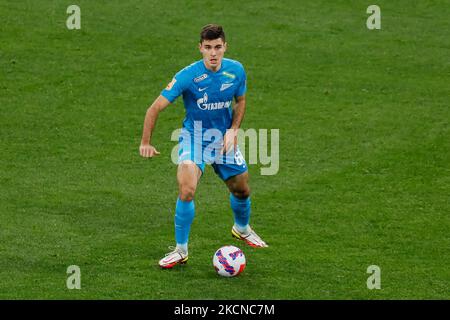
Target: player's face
(212, 51)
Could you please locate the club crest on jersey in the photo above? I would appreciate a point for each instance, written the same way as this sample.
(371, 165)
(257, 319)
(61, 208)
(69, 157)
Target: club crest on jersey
(226, 86)
(170, 85)
(201, 78)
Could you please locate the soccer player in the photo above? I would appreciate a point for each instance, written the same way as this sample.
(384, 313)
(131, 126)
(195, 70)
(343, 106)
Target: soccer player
(208, 87)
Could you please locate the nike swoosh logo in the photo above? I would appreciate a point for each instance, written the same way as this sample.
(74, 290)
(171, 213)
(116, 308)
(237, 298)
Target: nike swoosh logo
(167, 260)
(202, 89)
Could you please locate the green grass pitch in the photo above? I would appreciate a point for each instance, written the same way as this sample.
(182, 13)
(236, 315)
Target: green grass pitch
(364, 173)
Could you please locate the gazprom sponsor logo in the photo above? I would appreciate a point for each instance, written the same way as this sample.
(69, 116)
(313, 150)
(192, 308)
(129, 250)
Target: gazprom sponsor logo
(216, 105)
(201, 78)
(203, 104)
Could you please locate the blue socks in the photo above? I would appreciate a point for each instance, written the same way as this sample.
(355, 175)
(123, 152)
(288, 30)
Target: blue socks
(241, 211)
(184, 215)
(185, 211)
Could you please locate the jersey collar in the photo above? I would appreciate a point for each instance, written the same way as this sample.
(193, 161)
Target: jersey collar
(210, 71)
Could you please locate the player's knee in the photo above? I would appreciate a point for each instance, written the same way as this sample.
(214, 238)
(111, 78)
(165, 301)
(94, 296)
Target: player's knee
(242, 193)
(187, 193)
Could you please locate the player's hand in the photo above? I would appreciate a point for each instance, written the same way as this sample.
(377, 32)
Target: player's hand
(148, 151)
(229, 141)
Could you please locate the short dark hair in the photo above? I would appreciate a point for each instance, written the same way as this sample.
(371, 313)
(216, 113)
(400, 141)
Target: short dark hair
(212, 32)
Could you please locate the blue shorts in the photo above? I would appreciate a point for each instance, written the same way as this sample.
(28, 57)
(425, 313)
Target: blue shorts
(224, 165)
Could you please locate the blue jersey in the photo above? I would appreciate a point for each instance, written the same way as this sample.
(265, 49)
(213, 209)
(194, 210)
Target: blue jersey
(207, 95)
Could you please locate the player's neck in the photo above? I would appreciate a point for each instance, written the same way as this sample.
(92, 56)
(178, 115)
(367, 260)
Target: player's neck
(216, 68)
(211, 68)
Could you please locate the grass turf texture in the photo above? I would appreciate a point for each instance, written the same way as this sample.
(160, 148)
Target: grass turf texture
(364, 147)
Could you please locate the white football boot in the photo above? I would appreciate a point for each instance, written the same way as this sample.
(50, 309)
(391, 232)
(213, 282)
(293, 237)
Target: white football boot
(252, 239)
(171, 259)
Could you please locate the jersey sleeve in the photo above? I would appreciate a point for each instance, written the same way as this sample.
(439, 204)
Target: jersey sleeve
(176, 87)
(242, 88)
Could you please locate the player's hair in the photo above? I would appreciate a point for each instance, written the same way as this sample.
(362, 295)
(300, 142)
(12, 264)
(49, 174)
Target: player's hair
(212, 32)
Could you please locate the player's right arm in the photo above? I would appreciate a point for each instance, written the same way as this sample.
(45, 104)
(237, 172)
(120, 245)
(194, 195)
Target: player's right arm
(146, 149)
(173, 90)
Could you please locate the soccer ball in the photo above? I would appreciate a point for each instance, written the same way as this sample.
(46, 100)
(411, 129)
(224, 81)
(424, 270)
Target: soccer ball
(229, 261)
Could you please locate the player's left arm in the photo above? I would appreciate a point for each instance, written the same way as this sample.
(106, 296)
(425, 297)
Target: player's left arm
(238, 112)
(230, 139)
